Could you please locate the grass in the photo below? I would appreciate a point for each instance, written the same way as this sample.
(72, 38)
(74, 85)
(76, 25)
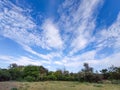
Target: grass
(56, 85)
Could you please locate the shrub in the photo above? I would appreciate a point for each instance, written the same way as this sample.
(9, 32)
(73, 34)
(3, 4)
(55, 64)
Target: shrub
(115, 81)
(29, 78)
(98, 85)
(51, 77)
(14, 88)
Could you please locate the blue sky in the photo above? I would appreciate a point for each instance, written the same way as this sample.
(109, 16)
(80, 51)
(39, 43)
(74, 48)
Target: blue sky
(60, 33)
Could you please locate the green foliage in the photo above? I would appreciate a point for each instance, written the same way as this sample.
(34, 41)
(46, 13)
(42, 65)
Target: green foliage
(15, 73)
(58, 75)
(43, 71)
(13, 89)
(31, 72)
(39, 73)
(29, 78)
(4, 75)
(115, 81)
(51, 77)
(105, 74)
(98, 85)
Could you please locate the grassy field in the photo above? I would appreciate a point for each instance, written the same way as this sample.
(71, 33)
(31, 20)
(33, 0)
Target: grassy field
(56, 85)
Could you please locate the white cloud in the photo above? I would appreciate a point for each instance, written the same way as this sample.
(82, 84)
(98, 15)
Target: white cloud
(76, 62)
(58, 63)
(17, 27)
(52, 35)
(47, 57)
(105, 62)
(23, 30)
(26, 60)
(109, 37)
(6, 58)
(76, 23)
(77, 17)
(20, 28)
(29, 49)
(22, 60)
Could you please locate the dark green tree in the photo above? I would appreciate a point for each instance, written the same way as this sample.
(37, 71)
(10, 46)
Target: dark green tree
(58, 74)
(43, 73)
(31, 73)
(105, 74)
(87, 72)
(4, 75)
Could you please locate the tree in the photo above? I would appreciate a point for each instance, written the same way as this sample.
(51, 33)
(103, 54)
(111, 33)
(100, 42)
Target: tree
(4, 75)
(58, 75)
(36, 73)
(114, 73)
(87, 69)
(43, 73)
(87, 72)
(51, 76)
(16, 73)
(13, 65)
(105, 73)
(31, 72)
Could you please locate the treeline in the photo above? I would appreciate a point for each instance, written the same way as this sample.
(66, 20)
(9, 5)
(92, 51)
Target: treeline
(39, 73)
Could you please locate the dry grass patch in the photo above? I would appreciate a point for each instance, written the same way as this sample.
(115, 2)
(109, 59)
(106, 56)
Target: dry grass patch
(57, 85)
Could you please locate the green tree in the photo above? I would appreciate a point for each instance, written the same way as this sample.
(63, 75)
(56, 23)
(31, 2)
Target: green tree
(31, 72)
(87, 72)
(4, 75)
(43, 73)
(13, 65)
(51, 76)
(16, 73)
(105, 73)
(114, 73)
(58, 75)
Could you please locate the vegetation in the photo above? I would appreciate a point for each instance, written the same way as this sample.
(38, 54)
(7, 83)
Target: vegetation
(56, 85)
(39, 73)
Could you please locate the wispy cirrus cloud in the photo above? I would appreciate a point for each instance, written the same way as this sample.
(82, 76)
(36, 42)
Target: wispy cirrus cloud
(18, 27)
(81, 22)
(23, 30)
(61, 39)
(109, 37)
(19, 60)
(77, 61)
(78, 17)
(52, 35)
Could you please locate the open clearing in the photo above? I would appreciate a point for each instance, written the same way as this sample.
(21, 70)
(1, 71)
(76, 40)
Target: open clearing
(56, 85)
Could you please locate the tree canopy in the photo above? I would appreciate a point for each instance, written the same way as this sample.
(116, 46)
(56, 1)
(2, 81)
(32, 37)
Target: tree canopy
(40, 73)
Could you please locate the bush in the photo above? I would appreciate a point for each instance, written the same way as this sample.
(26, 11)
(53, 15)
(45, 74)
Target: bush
(98, 85)
(13, 89)
(43, 78)
(51, 77)
(115, 81)
(29, 78)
